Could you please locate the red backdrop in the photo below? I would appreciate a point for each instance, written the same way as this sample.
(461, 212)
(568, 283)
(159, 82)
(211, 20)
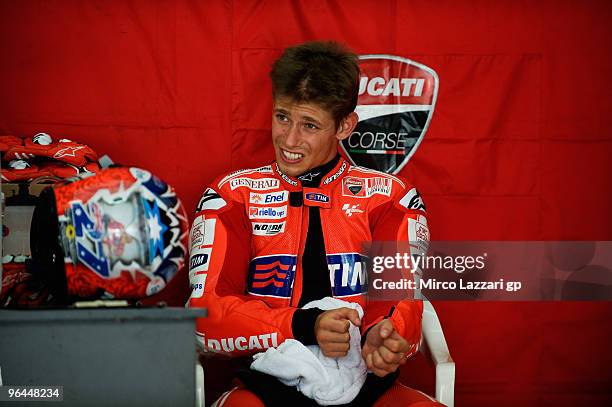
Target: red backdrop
(518, 149)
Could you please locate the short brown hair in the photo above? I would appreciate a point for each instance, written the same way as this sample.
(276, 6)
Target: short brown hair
(321, 72)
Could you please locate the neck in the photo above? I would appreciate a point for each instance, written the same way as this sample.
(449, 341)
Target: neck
(313, 177)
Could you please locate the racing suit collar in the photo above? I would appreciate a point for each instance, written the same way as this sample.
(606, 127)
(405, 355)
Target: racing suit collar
(313, 177)
(324, 174)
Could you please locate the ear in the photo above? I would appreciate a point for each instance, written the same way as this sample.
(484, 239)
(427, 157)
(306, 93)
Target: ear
(347, 125)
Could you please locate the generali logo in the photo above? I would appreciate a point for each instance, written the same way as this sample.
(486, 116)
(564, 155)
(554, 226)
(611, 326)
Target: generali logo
(396, 102)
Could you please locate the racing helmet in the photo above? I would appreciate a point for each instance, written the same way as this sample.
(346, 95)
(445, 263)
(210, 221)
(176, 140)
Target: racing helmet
(120, 233)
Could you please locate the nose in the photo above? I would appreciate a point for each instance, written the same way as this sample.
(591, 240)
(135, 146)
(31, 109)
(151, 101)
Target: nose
(292, 136)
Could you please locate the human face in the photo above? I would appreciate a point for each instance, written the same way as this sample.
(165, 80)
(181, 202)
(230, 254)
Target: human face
(305, 135)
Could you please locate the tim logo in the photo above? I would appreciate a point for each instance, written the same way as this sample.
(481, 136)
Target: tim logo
(198, 260)
(396, 101)
(272, 276)
(316, 197)
(347, 274)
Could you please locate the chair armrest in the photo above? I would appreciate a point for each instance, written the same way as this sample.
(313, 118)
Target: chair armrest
(436, 343)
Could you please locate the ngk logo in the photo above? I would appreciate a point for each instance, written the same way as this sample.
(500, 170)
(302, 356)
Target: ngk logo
(396, 102)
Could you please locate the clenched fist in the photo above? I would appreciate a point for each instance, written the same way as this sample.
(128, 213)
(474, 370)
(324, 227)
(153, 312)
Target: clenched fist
(332, 331)
(384, 349)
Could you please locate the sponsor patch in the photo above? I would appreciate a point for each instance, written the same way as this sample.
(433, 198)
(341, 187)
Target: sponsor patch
(412, 200)
(68, 152)
(347, 274)
(256, 184)
(308, 176)
(197, 283)
(201, 237)
(262, 170)
(198, 260)
(316, 197)
(285, 177)
(268, 229)
(202, 232)
(378, 185)
(418, 236)
(197, 234)
(352, 186)
(334, 176)
(210, 200)
(351, 209)
(271, 198)
(366, 187)
(257, 212)
(272, 275)
(239, 343)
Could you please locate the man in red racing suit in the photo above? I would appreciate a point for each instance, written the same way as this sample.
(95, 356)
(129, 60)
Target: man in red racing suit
(266, 241)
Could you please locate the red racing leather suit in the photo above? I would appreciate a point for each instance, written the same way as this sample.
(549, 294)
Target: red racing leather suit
(247, 241)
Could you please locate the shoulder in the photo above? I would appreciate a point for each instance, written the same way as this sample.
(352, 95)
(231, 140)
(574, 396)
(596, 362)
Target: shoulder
(233, 178)
(373, 183)
(234, 186)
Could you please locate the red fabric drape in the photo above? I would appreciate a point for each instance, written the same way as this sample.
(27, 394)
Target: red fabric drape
(518, 147)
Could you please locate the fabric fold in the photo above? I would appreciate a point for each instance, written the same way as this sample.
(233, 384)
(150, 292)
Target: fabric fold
(329, 381)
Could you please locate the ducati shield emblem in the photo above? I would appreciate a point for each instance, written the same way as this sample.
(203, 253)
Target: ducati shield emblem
(396, 101)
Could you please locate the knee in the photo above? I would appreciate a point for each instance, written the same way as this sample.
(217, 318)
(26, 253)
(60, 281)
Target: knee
(238, 397)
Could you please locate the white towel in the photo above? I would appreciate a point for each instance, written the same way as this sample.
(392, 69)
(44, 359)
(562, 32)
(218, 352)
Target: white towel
(329, 381)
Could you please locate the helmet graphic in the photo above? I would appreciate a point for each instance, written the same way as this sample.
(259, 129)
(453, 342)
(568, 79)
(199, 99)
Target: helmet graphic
(121, 233)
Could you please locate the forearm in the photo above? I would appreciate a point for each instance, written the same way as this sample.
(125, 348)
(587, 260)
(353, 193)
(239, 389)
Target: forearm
(241, 326)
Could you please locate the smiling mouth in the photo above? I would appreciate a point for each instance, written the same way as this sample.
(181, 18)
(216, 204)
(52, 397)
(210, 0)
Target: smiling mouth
(289, 156)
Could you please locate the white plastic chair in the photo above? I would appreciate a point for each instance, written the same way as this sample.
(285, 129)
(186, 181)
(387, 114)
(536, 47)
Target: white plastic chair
(438, 349)
(199, 382)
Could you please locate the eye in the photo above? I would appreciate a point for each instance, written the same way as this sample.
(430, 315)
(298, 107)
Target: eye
(311, 126)
(281, 118)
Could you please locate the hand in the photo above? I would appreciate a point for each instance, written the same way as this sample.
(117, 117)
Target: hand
(331, 330)
(384, 349)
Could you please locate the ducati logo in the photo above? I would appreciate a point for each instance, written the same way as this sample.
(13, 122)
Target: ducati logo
(396, 102)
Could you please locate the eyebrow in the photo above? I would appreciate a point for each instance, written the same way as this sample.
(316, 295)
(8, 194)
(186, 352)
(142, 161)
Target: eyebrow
(281, 110)
(311, 119)
(306, 118)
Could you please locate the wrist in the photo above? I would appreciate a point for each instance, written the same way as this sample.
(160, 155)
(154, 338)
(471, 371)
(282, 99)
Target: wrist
(303, 325)
(364, 336)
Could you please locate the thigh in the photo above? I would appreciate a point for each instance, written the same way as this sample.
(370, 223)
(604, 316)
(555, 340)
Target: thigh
(397, 396)
(402, 396)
